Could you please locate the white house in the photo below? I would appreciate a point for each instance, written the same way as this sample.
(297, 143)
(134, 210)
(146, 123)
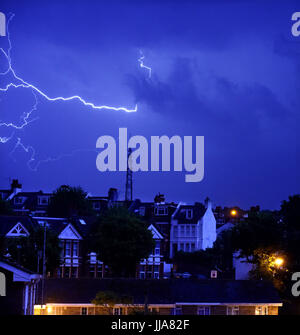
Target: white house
(193, 227)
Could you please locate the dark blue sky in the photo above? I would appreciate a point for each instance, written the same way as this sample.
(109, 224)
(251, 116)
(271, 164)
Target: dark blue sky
(230, 72)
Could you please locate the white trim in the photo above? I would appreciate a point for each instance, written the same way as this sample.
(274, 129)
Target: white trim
(73, 230)
(156, 234)
(18, 224)
(19, 275)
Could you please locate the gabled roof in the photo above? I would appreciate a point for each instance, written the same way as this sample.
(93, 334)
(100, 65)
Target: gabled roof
(84, 290)
(156, 234)
(198, 212)
(19, 272)
(8, 222)
(70, 233)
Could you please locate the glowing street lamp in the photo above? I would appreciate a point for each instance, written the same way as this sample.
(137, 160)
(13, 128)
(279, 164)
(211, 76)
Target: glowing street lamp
(233, 212)
(278, 262)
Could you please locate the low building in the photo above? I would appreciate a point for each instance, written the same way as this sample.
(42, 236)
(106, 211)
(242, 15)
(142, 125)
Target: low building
(163, 297)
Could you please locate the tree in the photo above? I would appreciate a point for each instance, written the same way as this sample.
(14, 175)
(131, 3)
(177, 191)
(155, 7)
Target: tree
(26, 250)
(111, 298)
(261, 230)
(69, 201)
(121, 240)
(5, 208)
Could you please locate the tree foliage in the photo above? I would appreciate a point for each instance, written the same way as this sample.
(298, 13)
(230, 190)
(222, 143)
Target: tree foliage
(121, 240)
(111, 298)
(5, 207)
(69, 201)
(26, 250)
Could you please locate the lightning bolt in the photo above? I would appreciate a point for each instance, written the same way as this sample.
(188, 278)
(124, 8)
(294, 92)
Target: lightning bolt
(22, 83)
(29, 149)
(26, 117)
(142, 65)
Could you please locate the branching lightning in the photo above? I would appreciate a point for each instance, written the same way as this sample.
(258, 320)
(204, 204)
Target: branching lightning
(26, 119)
(22, 83)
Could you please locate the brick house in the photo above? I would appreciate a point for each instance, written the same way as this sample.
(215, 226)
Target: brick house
(163, 297)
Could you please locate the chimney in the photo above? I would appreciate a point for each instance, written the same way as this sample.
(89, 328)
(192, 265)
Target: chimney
(15, 188)
(15, 185)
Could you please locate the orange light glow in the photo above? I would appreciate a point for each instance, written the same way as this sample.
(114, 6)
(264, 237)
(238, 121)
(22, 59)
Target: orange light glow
(233, 212)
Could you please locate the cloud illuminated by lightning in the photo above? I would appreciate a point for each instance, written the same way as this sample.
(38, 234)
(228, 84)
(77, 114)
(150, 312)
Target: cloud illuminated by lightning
(142, 65)
(26, 117)
(22, 83)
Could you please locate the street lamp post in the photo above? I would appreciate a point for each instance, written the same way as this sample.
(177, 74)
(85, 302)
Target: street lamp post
(44, 263)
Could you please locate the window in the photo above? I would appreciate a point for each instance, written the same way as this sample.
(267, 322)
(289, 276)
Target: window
(74, 272)
(142, 275)
(156, 268)
(181, 247)
(188, 230)
(193, 230)
(160, 210)
(118, 311)
(142, 211)
(182, 230)
(84, 311)
(189, 213)
(157, 248)
(233, 310)
(177, 311)
(175, 231)
(187, 247)
(192, 247)
(156, 275)
(261, 310)
(99, 270)
(68, 249)
(43, 200)
(92, 271)
(203, 310)
(96, 205)
(67, 272)
(75, 249)
(19, 200)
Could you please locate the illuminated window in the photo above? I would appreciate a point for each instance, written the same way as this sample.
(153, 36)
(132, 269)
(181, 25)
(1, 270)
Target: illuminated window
(233, 310)
(261, 310)
(203, 310)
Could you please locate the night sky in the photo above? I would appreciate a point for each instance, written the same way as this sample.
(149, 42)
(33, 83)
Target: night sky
(229, 72)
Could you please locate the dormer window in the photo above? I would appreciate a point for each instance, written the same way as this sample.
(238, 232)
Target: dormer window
(96, 205)
(189, 213)
(43, 201)
(19, 200)
(161, 210)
